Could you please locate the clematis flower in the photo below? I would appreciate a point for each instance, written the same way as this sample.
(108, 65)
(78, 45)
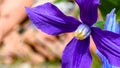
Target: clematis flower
(76, 54)
(111, 25)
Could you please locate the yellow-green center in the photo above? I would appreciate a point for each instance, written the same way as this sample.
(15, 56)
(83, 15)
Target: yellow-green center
(82, 32)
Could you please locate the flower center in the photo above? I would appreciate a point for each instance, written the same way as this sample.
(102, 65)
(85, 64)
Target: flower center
(82, 32)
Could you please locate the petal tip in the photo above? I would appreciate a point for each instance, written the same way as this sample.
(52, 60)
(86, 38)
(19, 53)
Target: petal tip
(113, 11)
(27, 9)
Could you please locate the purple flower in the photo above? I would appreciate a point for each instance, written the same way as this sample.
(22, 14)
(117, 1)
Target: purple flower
(111, 25)
(51, 20)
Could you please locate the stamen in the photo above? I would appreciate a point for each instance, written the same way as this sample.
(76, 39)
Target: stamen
(82, 32)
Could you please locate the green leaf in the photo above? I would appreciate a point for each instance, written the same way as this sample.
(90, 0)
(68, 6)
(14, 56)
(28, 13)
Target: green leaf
(100, 24)
(118, 15)
(96, 62)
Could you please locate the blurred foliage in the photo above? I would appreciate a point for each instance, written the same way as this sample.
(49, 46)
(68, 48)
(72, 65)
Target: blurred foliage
(96, 62)
(118, 15)
(19, 63)
(107, 5)
(100, 24)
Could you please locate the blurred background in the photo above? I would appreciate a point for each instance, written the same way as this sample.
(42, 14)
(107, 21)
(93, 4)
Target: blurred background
(22, 45)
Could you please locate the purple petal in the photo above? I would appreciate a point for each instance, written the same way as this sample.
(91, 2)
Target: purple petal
(51, 20)
(77, 54)
(108, 43)
(111, 24)
(105, 63)
(88, 11)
